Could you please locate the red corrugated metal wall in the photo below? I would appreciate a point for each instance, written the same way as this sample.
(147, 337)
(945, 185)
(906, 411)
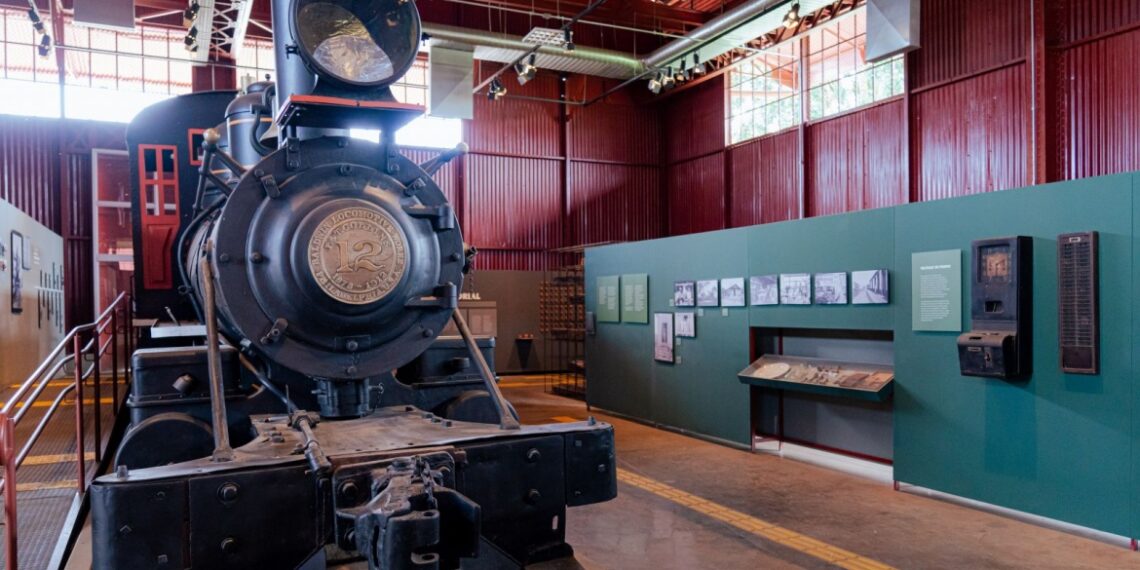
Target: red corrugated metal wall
(765, 180)
(29, 169)
(696, 194)
(853, 161)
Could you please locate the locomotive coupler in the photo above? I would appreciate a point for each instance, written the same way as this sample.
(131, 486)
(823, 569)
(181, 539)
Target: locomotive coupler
(413, 520)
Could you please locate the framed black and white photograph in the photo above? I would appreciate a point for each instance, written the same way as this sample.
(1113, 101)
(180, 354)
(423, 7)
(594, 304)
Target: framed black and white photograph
(708, 293)
(684, 294)
(831, 288)
(16, 249)
(795, 288)
(763, 290)
(686, 324)
(870, 287)
(663, 337)
(732, 292)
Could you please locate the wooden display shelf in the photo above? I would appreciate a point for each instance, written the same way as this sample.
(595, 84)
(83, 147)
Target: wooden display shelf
(871, 382)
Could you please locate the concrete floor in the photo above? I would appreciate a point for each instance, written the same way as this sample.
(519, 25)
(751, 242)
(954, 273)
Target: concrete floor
(782, 513)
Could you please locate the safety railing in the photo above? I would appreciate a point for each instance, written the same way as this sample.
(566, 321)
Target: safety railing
(89, 345)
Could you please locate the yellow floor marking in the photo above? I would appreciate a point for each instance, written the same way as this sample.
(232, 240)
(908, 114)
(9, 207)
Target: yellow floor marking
(53, 459)
(566, 419)
(46, 403)
(52, 384)
(748, 523)
(45, 485)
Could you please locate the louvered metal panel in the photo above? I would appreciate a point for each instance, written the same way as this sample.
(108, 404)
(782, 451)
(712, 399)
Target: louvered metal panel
(856, 161)
(77, 235)
(513, 203)
(971, 135)
(696, 195)
(961, 37)
(28, 171)
(765, 180)
(612, 202)
(621, 133)
(693, 121)
(1078, 302)
(1102, 107)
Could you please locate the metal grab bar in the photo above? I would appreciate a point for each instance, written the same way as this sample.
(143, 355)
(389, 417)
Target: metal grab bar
(28, 393)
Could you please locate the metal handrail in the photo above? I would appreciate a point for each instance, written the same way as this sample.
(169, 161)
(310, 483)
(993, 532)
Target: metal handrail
(29, 392)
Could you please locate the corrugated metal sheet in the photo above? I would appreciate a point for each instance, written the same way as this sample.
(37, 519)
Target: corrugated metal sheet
(693, 121)
(513, 203)
(620, 133)
(1103, 110)
(28, 171)
(1082, 19)
(696, 195)
(857, 161)
(765, 180)
(611, 202)
(512, 126)
(970, 136)
(447, 178)
(77, 235)
(960, 37)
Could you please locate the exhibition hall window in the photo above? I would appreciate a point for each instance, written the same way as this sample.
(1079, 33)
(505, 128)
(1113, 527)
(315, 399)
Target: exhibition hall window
(766, 93)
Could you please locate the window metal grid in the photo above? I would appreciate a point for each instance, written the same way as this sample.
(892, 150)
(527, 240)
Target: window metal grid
(766, 91)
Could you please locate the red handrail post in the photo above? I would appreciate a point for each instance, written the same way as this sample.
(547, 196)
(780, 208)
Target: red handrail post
(8, 456)
(97, 374)
(77, 355)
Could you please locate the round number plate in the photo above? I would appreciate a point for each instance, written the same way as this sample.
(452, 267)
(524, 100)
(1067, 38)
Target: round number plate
(358, 255)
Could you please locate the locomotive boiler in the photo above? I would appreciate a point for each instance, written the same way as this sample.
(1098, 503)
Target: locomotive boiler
(324, 421)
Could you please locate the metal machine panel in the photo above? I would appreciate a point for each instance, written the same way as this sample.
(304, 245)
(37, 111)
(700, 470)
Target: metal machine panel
(1078, 302)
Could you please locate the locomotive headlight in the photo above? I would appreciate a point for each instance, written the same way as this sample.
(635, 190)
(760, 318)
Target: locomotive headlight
(357, 42)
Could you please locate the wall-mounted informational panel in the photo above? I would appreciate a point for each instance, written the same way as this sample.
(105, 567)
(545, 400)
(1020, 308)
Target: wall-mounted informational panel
(635, 298)
(609, 296)
(31, 288)
(936, 290)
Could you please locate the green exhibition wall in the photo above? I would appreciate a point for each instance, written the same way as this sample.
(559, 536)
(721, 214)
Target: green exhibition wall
(1058, 445)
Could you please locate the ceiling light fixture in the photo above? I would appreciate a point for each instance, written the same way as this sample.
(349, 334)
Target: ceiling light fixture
(496, 90)
(567, 40)
(667, 80)
(792, 18)
(698, 67)
(191, 40)
(45, 46)
(526, 69)
(37, 23)
(655, 84)
(191, 13)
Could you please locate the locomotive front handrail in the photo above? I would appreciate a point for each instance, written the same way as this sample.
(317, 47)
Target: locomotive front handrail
(29, 392)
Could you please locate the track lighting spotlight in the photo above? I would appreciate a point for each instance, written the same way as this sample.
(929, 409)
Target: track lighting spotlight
(526, 70)
(496, 90)
(792, 18)
(667, 80)
(45, 46)
(190, 14)
(698, 67)
(37, 23)
(567, 40)
(655, 84)
(191, 40)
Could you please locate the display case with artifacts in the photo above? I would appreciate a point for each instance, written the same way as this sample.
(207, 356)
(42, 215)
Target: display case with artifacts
(832, 377)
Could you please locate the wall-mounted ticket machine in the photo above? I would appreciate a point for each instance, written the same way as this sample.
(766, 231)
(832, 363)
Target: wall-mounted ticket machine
(999, 344)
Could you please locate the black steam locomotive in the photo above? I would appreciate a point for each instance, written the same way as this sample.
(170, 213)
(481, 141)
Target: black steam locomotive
(323, 421)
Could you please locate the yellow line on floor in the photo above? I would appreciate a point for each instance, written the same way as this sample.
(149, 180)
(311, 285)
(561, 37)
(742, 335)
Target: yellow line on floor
(53, 459)
(46, 403)
(45, 485)
(52, 384)
(748, 523)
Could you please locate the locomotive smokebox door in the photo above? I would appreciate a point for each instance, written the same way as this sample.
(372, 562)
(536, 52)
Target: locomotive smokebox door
(999, 342)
